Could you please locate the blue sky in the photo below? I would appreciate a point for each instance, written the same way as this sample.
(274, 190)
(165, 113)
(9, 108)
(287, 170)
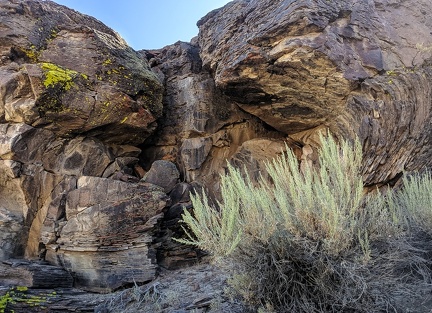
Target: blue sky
(148, 24)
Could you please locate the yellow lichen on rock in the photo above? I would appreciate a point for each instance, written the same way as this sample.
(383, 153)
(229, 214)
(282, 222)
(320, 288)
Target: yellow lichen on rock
(4, 301)
(19, 294)
(32, 53)
(107, 62)
(22, 288)
(55, 75)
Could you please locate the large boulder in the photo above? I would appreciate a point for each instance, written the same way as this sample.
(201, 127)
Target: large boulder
(69, 73)
(353, 67)
(106, 237)
(164, 174)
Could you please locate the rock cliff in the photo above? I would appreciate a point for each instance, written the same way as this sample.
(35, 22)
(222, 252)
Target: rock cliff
(353, 67)
(83, 117)
(75, 101)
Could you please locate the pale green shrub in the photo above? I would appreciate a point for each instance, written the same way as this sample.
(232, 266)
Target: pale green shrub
(325, 204)
(308, 241)
(322, 204)
(416, 199)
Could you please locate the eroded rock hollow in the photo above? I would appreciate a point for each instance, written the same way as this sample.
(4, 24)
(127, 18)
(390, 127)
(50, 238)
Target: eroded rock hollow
(100, 145)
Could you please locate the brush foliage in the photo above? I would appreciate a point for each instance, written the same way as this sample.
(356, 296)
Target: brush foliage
(309, 240)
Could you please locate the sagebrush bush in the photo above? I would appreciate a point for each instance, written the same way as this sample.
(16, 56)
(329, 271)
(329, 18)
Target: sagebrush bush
(415, 199)
(309, 240)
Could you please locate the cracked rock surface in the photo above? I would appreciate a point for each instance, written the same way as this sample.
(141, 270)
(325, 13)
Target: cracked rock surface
(100, 145)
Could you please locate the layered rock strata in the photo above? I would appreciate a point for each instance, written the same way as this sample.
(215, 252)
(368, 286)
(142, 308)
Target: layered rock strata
(83, 117)
(75, 101)
(353, 67)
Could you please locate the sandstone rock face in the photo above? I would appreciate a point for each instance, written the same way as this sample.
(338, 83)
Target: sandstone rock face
(71, 74)
(108, 232)
(46, 211)
(75, 101)
(83, 117)
(352, 67)
(201, 128)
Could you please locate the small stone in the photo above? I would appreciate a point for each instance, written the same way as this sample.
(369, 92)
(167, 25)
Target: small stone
(164, 174)
(180, 193)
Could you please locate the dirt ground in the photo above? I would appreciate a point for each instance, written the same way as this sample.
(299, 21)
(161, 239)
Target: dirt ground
(198, 289)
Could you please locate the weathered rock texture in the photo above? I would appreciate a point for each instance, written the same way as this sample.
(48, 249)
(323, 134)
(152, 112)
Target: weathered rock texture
(83, 117)
(354, 67)
(23, 300)
(75, 101)
(201, 129)
(71, 74)
(36, 275)
(106, 240)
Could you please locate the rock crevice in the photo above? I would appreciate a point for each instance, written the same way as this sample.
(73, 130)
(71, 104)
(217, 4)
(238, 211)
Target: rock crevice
(100, 145)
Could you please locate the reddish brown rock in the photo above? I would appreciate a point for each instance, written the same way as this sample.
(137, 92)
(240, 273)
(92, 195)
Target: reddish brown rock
(82, 115)
(352, 67)
(201, 128)
(71, 74)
